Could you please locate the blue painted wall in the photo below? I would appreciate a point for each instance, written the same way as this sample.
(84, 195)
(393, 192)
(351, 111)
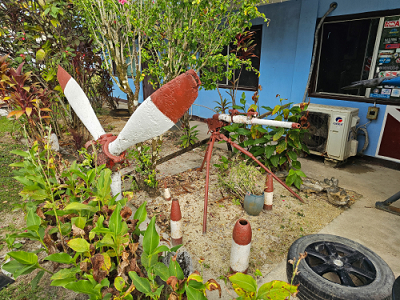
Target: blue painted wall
(286, 55)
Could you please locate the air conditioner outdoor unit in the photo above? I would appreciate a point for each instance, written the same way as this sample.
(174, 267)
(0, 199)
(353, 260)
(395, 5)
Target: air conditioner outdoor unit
(332, 131)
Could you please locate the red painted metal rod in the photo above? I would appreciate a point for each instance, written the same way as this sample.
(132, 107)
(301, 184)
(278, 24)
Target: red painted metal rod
(245, 120)
(223, 137)
(208, 158)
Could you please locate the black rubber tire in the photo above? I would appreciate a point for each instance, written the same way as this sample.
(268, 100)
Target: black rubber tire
(313, 286)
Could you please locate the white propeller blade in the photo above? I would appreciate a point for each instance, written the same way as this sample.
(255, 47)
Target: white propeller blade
(80, 103)
(159, 112)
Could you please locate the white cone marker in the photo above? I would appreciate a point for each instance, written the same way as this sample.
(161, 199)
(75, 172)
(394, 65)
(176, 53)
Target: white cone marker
(80, 103)
(241, 243)
(176, 223)
(167, 193)
(268, 192)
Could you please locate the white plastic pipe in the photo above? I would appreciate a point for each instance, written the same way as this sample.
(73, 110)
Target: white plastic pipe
(245, 120)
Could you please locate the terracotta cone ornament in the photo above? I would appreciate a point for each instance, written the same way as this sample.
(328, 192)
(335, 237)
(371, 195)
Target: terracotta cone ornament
(268, 192)
(154, 116)
(241, 243)
(176, 223)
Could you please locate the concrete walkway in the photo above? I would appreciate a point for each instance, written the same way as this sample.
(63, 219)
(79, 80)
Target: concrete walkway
(363, 223)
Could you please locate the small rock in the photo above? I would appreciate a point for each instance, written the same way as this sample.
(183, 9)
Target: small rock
(332, 182)
(282, 174)
(337, 196)
(310, 187)
(184, 260)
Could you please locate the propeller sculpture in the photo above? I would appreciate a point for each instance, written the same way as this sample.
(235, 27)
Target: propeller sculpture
(158, 113)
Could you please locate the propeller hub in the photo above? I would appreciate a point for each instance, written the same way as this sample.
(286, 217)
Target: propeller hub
(105, 157)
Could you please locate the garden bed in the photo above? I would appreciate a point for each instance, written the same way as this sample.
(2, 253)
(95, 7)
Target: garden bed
(273, 231)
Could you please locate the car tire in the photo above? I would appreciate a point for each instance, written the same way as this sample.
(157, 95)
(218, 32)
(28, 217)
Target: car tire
(337, 268)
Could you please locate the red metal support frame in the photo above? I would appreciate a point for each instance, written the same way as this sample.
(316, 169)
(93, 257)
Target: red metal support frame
(214, 126)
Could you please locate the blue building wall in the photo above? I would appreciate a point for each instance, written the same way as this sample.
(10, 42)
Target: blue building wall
(286, 55)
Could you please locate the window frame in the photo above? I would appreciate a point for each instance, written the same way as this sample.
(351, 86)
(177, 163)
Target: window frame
(355, 98)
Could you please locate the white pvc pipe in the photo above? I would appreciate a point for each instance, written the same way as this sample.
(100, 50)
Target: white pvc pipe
(245, 120)
(116, 185)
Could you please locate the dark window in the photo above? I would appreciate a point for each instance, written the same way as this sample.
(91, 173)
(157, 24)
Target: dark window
(351, 49)
(346, 55)
(248, 80)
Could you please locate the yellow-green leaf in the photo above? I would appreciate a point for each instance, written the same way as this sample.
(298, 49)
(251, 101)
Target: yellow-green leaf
(79, 245)
(28, 111)
(40, 55)
(276, 109)
(54, 22)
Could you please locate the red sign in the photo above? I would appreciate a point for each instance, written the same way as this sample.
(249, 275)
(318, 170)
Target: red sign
(391, 24)
(392, 46)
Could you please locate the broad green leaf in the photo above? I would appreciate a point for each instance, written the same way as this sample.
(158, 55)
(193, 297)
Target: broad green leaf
(175, 248)
(26, 269)
(175, 270)
(66, 228)
(33, 221)
(298, 182)
(79, 222)
(13, 266)
(84, 287)
(23, 180)
(119, 283)
(62, 282)
(65, 273)
(296, 164)
(23, 257)
(196, 285)
(20, 153)
(79, 207)
(278, 134)
(79, 245)
(300, 173)
(36, 280)
(141, 213)
(115, 224)
(292, 155)
(274, 160)
(161, 248)
(282, 160)
(243, 131)
(246, 282)
(141, 284)
(290, 179)
(151, 238)
(193, 294)
(277, 290)
(161, 270)
(267, 108)
(269, 150)
(62, 258)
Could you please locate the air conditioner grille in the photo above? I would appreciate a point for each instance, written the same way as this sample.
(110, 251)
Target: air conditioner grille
(317, 135)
